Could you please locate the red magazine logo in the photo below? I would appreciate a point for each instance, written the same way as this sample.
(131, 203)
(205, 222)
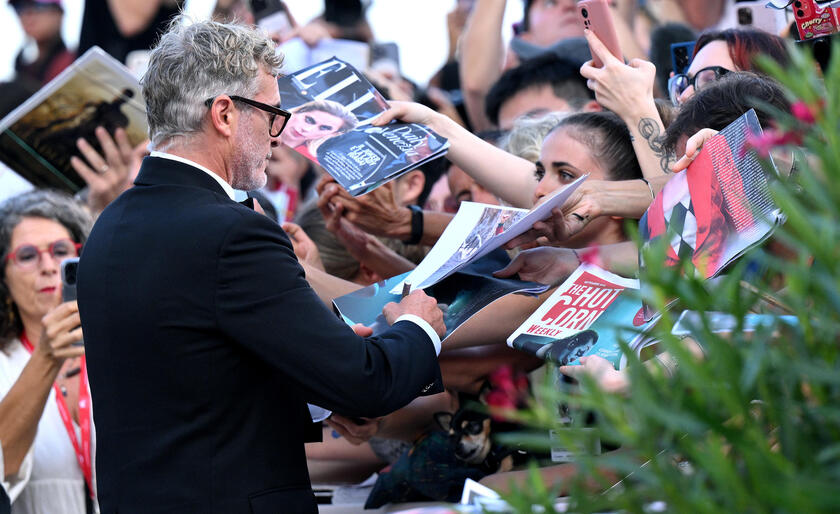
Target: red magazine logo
(581, 303)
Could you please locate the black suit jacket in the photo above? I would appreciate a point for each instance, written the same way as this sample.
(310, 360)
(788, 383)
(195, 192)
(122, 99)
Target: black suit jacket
(5, 508)
(204, 342)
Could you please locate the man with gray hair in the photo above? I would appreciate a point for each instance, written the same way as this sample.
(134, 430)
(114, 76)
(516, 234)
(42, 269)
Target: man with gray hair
(204, 340)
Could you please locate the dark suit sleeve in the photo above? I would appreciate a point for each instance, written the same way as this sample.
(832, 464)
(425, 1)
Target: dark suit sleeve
(265, 304)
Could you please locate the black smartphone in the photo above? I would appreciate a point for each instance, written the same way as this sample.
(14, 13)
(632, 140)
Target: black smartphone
(681, 54)
(69, 275)
(69, 269)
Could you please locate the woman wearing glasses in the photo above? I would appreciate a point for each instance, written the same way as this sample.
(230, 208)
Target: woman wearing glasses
(627, 89)
(719, 52)
(314, 122)
(45, 423)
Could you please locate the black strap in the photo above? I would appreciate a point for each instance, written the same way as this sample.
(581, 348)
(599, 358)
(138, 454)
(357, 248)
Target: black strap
(416, 225)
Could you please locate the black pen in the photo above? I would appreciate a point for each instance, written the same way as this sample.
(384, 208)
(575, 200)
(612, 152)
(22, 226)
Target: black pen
(73, 372)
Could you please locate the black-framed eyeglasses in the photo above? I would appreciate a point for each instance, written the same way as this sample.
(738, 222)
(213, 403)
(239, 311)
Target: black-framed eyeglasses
(277, 117)
(680, 82)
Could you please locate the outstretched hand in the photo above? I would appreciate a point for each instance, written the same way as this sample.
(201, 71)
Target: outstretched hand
(565, 221)
(601, 370)
(305, 249)
(544, 265)
(110, 174)
(376, 212)
(356, 431)
(409, 112)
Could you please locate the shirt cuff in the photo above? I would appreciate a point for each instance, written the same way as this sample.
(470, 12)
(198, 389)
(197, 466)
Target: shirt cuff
(417, 320)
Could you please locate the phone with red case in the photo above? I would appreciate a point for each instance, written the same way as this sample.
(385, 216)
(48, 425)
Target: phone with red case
(597, 17)
(813, 21)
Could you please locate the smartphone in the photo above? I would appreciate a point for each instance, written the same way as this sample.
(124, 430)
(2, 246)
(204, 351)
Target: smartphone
(597, 17)
(813, 21)
(69, 273)
(681, 54)
(69, 269)
(757, 15)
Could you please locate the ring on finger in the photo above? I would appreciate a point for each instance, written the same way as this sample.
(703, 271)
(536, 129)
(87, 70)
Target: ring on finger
(104, 168)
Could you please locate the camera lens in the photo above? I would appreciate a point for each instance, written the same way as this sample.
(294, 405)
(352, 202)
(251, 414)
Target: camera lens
(585, 13)
(797, 4)
(800, 13)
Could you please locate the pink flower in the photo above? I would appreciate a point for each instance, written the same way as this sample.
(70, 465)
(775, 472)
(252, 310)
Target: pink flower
(500, 400)
(509, 392)
(761, 143)
(771, 138)
(502, 378)
(803, 112)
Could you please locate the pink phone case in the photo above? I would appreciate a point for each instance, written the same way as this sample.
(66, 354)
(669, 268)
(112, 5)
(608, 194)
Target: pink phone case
(597, 17)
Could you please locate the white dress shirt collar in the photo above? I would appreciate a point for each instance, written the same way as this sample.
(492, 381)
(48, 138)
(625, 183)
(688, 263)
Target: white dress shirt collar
(227, 187)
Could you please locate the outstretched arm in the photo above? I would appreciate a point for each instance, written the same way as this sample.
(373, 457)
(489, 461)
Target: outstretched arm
(627, 90)
(509, 177)
(482, 58)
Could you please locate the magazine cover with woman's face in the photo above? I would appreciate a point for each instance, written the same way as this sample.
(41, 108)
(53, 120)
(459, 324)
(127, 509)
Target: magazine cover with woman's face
(332, 105)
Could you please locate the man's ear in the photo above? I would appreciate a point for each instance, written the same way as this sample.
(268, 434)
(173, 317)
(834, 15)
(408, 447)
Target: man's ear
(411, 187)
(591, 106)
(223, 116)
(444, 419)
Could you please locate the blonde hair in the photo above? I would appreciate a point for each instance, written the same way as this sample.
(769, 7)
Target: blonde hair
(526, 137)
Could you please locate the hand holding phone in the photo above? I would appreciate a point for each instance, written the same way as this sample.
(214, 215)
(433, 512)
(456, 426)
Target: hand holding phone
(597, 17)
(814, 21)
(625, 89)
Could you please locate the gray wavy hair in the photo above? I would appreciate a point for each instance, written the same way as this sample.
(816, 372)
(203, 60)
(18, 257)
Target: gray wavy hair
(526, 137)
(196, 61)
(40, 203)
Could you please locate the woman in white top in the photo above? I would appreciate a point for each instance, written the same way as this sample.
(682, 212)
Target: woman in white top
(46, 454)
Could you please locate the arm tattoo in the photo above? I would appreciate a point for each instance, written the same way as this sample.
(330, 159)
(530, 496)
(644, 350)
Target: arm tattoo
(649, 130)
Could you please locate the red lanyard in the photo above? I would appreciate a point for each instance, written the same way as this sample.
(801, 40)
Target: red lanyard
(83, 450)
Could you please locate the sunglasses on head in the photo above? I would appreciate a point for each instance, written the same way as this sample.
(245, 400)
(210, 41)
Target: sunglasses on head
(680, 82)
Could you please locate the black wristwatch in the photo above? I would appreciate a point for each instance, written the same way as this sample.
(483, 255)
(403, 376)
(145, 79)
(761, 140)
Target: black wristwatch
(416, 225)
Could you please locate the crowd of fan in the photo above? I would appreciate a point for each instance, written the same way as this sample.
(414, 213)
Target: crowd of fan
(522, 120)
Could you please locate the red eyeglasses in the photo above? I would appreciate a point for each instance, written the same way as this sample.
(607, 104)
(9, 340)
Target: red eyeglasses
(28, 256)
